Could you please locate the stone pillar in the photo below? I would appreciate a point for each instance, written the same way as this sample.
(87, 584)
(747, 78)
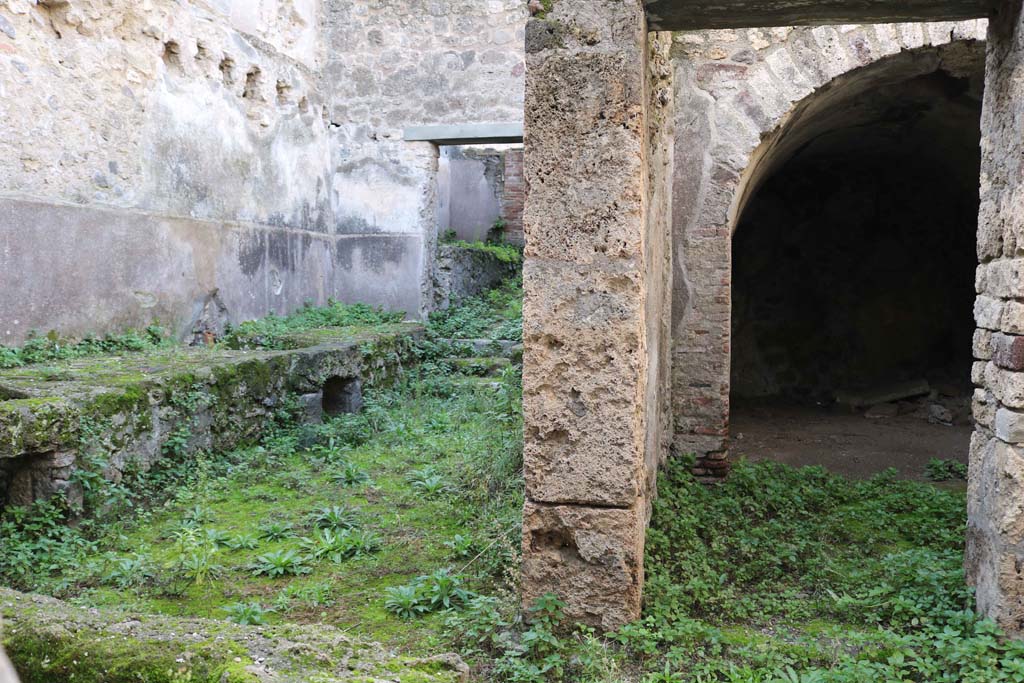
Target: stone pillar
(596, 317)
(995, 505)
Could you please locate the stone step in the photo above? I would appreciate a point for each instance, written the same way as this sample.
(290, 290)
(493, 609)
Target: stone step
(493, 347)
(478, 366)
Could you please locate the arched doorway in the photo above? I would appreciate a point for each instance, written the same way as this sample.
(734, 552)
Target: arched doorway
(888, 107)
(853, 273)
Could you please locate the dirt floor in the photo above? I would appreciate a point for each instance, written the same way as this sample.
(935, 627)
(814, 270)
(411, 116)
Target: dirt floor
(846, 443)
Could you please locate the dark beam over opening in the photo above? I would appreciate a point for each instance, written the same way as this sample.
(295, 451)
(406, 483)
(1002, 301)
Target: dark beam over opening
(680, 15)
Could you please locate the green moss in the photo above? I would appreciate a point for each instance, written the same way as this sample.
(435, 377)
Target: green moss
(36, 424)
(505, 253)
(133, 399)
(46, 654)
(548, 5)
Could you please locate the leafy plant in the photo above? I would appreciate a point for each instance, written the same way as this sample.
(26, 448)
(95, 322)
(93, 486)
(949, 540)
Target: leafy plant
(243, 542)
(945, 470)
(131, 571)
(313, 595)
(276, 531)
(36, 542)
(339, 546)
(51, 347)
(350, 476)
(218, 537)
(405, 601)
(247, 613)
(335, 517)
(494, 315)
(443, 590)
(198, 566)
(460, 546)
(177, 442)
(428, 593)
(280, 563)
(431, 485)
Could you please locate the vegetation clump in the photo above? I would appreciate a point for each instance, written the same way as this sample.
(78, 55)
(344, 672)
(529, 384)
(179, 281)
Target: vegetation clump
(51, 347)
(272, 332)
(497, 314)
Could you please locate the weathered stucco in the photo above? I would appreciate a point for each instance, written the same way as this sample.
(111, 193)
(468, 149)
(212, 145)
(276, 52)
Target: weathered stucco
(146, 151)
(273, 127)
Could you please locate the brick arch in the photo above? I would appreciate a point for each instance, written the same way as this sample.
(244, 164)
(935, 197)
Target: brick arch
(746, 101)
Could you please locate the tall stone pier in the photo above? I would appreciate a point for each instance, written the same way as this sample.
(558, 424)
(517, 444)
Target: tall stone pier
(995, 532)
(596, 320)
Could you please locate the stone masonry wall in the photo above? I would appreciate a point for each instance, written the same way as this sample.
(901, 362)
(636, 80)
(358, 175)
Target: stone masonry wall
(201, 162)
(738, 94)
(218, 398)
(995, 530)
(464, 272)
(156, 157)
(398, 63)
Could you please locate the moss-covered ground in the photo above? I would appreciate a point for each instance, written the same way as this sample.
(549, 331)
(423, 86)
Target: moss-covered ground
(265, 500)
(314, 524)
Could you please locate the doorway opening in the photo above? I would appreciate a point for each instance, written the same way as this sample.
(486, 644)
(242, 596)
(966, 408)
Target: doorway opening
(853, 280)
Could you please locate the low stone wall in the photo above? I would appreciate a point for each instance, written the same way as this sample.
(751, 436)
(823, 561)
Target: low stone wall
(177, 401)
(463, 272)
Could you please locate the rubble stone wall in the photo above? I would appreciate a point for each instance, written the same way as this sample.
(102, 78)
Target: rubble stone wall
(995, 527)
(464, 272)
(740, 93)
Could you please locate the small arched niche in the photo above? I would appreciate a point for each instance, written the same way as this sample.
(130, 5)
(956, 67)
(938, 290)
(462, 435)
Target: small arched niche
(342, 396)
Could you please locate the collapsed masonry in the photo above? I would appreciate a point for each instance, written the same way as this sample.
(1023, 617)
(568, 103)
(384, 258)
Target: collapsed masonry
(629, 296)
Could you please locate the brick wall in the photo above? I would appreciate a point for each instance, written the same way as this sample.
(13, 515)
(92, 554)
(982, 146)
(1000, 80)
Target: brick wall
(514, 196)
